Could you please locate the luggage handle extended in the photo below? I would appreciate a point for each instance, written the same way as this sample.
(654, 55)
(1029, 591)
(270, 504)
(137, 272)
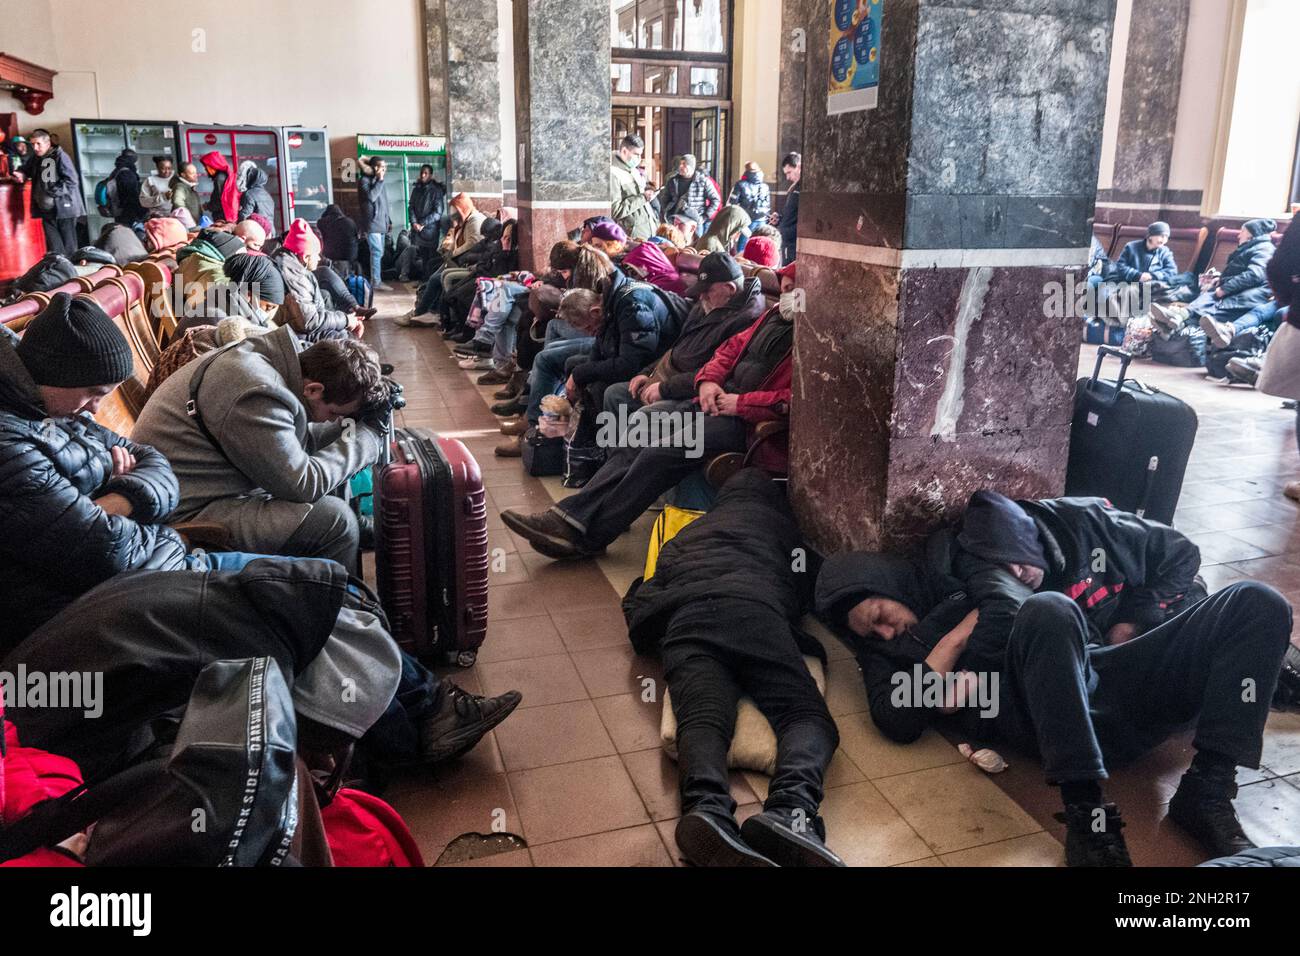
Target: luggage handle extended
(1124, 359)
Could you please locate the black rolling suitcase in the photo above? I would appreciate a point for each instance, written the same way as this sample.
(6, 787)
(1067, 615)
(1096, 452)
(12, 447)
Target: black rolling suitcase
(1129, 443)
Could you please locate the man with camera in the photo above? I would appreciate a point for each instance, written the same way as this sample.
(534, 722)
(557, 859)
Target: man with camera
(261, 433)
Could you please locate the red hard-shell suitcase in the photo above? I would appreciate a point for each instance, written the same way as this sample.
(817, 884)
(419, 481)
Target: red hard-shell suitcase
(431, 546)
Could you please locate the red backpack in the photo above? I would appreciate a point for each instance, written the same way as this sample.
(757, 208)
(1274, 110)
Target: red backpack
(363, 830)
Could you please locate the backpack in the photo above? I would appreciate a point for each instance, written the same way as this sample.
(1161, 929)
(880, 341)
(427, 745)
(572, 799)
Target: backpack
(1185, 348)
(360, 290)
(363, 830)
(106, 197)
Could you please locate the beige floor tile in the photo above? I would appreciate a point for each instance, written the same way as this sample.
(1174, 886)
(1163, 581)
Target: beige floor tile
(1282, 743)
(1037, 849)
(877, 756)
(513, 858)
(1270, 812)
(541, 680)
(576, 799)
(956, 807)
(866, 831)
(584, 630)
(928, 861)
(617, 670)
(438, 811)
(845, 693)
(631, 722)
(520, 638)
(635, 846)
(655, 776)
(554, 734)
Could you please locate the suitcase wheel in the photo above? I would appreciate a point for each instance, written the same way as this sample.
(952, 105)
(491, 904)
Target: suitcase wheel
(465, 658)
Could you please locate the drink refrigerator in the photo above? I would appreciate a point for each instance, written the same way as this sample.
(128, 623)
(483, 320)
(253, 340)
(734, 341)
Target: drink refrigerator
(296, 160)
(96, 143)
(405, 155)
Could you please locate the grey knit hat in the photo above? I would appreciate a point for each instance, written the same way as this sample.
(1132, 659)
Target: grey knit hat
(74, 344)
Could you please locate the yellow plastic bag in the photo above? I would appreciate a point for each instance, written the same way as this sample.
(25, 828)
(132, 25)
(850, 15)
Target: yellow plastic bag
(666, 527)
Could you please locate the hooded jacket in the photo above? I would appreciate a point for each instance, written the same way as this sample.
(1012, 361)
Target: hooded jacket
(628, 205)
(1245, 275)
(700, 337)
(128, 188)
(203, 264)
(729, 225)
(373, 193)
(251, 401)
(56, 187)
(255, 197)
(338, 233)
(1137, 259)
(752, 195)
(1146, 573)
(57, 543)
(320, 321)
(740, 550)
(636, 330)
(122, 244)
(223, 204)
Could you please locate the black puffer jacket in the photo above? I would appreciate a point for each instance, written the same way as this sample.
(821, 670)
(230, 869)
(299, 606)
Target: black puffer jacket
(56, 542)
(1245, 281)
(255, 198)
(742, 549)
(636, 330)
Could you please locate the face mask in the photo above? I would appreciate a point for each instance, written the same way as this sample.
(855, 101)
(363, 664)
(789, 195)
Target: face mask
(789, 305)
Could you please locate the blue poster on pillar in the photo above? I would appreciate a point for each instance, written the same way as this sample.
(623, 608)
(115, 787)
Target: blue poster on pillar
(854, 45)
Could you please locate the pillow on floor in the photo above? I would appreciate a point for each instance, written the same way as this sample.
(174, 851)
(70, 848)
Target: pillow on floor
(754, 745)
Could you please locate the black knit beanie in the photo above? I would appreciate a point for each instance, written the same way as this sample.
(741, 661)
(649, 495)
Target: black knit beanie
(1158, 228)
(997, 529)
(74, 344)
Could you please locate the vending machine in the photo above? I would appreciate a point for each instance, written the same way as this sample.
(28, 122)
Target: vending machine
(405, 155)
(96, 144)
(294, 158)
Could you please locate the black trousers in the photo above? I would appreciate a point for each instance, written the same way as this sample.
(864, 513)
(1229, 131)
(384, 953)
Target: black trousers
(715, 652)
(633, 478)
(1083, 707)
(60, 235)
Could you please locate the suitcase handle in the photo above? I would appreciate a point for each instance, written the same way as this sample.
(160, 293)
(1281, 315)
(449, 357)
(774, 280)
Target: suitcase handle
(1124, 359)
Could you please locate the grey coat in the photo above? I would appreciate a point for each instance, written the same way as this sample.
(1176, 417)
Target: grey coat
(321, 322)
(251, 402)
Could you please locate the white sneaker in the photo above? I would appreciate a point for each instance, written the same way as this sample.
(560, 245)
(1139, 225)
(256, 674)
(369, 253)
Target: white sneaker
(479, 363)
(426, 319)
(383, 287)
(405, 318)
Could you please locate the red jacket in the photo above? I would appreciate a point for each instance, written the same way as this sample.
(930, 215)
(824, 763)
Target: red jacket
(769, 403)
(29, 777)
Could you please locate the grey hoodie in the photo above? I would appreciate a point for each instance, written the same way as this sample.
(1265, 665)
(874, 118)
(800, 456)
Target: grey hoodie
(251, 402)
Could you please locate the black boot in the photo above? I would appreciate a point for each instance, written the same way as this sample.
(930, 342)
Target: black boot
(1202, 805)
(509, 408)
(366, 525)
(708, 840)
(461, 722)
(1093, 836)
(789, 838)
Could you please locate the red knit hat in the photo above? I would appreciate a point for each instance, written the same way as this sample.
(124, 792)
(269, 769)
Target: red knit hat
(761, 251)
(300, 239)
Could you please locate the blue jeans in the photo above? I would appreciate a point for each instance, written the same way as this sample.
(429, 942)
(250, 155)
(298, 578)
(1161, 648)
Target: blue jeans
(220, 560)
(1256, 316)
(547, 377)
(375, 240)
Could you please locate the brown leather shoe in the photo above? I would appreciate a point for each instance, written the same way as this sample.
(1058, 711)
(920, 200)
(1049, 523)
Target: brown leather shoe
(517, 426)
(493, 377)
(512, 447)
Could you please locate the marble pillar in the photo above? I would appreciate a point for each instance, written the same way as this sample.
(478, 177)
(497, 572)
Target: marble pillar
(562, 116)
(1148, 108)
(461, 41)
(933, 231)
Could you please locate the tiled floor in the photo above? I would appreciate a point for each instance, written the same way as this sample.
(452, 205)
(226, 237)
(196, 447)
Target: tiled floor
(577, 771)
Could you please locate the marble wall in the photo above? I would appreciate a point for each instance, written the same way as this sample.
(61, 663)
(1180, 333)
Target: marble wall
(462, 44)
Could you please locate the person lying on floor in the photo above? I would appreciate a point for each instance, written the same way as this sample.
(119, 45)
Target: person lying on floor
(1094, 627)
(722, 611)
(81, 505)
(745, 383)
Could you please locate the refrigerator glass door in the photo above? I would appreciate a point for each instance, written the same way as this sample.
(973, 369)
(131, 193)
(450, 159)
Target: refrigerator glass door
(237, 145)
(263, 148)
(310, 189)
(98, 144)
